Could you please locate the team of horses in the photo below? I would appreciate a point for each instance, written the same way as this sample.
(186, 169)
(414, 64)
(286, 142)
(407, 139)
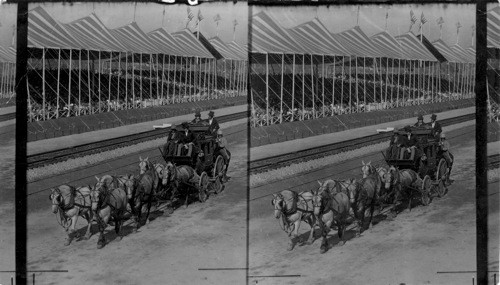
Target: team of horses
(112, 197)
(337, 203)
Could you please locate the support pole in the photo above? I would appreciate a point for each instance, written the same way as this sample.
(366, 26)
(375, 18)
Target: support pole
(267, 89)
(303, 85)
(323, 86)
(312, 88)
(399, 86)
(293, 87)
(281, 87)
(79, 81)
(119, 71)
(342, 87)
(58, 82)
(364, 83)
(69, 81)
(126, 80)
(333, 84)
(43, 85)
(88, 81)
(109, 84)
(175, 79)
(163, 79)
(99, 82)
(356, 81)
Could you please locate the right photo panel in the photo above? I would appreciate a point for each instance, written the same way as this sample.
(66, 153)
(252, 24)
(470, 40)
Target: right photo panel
(362, 136)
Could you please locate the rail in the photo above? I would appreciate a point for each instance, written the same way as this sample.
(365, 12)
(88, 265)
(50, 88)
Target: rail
(50, 157)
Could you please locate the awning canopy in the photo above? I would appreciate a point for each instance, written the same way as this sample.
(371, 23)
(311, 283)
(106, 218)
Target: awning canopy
(358, 43)
(414, 48)
(462, 54)
(93, 35)
(189, 43)
(446, 51)
(8, 54)
(223, 49)
(388, 45)
(135, 39)
(493, 27)
(166, 43)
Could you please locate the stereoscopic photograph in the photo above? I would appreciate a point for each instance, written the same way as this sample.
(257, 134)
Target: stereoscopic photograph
(137, 143)
(244, 143)
(362, 144)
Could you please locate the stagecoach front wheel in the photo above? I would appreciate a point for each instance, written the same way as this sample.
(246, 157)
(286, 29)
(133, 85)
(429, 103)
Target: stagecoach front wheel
(441, 174)
(217, 185)
(218, 169)
(426, 189)
(202, 187)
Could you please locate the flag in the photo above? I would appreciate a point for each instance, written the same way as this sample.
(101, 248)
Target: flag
(458, 25)
(423, 20)
(413, 19)
(190, 14)
(217, 18)
(440, 21)
(200, 17)
(235, 23)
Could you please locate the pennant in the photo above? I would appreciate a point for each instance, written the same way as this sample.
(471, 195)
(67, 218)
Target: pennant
(423, 20)
(200, 17)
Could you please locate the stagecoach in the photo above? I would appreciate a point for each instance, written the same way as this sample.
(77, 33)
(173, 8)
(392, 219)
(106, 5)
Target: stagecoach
(202, 156)
(427, 161)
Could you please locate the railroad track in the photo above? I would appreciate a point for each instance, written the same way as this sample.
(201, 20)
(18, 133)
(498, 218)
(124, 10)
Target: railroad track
(7, 117)
(50, 157)
(279, 161)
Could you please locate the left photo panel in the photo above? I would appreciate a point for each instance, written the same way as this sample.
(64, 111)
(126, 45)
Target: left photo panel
(137, 143)
(7, 140)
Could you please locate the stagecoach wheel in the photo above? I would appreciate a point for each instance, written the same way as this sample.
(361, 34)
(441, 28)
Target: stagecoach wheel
(426, 189)
(217, 185)
(441, 170)
(202, 187)
(440, 188)
(218, 169)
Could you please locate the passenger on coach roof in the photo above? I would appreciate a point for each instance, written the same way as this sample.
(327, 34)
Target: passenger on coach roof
(409, 144)
(197, 117)
(213, 124)
(436, 127)
(420, 121)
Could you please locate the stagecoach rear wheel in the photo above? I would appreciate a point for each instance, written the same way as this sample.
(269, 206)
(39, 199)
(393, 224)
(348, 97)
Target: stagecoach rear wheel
(217, 185)
(440, 188)
(202, 187)
(426, 189)
(441, 175)
(441, 169)
(218, 169)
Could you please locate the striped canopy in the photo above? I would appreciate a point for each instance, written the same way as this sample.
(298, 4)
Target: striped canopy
(446, 51)
(7, 54)
(238, 50)
(223, 49)
(388, 45)
(93, 35)
(358, 43)
(465, 56)
(166, 43)
(45, 32)
(135, 39)
(269, 37)
(191, 44)
(414, 48)
(493, 27)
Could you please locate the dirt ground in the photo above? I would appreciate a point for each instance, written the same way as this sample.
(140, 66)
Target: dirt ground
(186, 247)
(412, 249)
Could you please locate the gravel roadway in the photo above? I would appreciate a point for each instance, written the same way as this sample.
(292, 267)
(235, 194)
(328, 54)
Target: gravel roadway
(181, 248)
(411, 249)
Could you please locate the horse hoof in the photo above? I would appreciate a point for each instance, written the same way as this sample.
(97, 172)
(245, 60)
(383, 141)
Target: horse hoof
(290, 247)
(67, 242)
(309, 242)
(86, 237)
(118, 238)
(322, 250)
(99, 246)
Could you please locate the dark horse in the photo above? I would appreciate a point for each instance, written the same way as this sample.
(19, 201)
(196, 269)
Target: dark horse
(141, 189)
(107, 203)
(365, 195)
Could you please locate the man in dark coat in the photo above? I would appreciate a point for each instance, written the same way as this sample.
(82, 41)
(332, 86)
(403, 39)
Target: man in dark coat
(436, 126)
(187, 141)
(171, 145)
(409, 144)
(212, 123)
